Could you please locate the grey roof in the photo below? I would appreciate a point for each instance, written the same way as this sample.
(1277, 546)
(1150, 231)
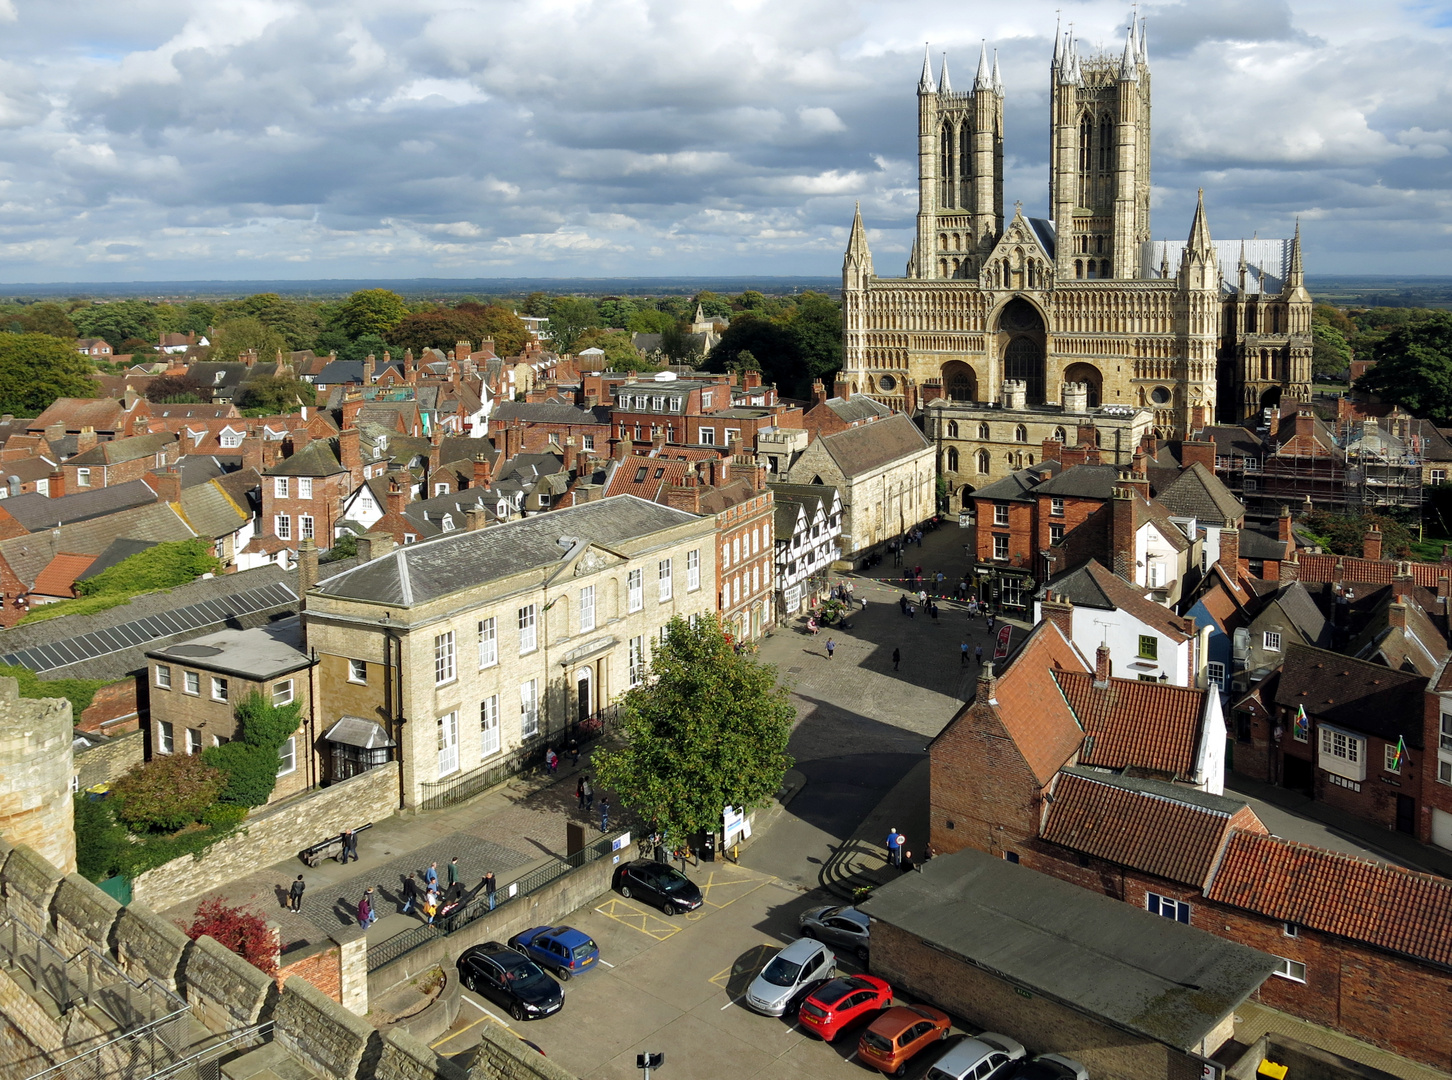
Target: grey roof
(1257, 545)
(857, 407)
(549, 412)
(1197, 492)
(862, 449)
(118, 551)
(1082, 482)
(1079, 587)
(212, 512)
(1304, 615)
(1233, 440)
(115, 451)
(1044, 230)
(264, 652)
(429, 515)
(1113, 961)
(28, 555)
(1013, 487)
(315, 459)
(199, 468)
(35, 511)
(417, 573)
(356, 731)
(1267, 261)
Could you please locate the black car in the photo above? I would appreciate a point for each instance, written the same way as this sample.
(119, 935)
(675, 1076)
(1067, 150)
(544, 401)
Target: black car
(658, 884)
(496, 971)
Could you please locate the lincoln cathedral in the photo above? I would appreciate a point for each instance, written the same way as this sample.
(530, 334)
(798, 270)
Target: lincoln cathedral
(1082, 312)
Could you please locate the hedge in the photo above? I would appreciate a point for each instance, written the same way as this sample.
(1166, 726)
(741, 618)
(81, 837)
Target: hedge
(80, 692)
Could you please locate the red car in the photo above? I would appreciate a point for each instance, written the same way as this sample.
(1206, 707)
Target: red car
(836, 1004)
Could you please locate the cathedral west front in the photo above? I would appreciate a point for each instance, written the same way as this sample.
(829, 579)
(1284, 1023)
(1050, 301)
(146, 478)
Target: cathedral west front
(1077, 325)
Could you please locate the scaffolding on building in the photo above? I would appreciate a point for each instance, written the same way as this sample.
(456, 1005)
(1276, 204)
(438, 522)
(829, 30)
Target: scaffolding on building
(1383, 468)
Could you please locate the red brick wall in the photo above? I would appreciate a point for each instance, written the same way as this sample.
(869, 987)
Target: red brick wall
(982, 785)
(113, 710)
(324, 970)
(1020, 531)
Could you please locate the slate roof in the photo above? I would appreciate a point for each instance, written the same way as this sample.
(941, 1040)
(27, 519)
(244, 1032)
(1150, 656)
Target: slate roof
(28, 555)
(1197, 492)
(116, 551)
(1233, 440)
(35, 511)
(1082, 482)
(1257, 545)
(1134, 724)
(118, 450)
(417, 573)
(1353, 694)
(212, 512)
(1381, 905)
(1015, 486)
(862, 449)
(1298, 606)
(1419, 646)
(315, 459)
(1114, 961)
(1091, 584)
(856, 408)
(1164, 829)
(549, 412)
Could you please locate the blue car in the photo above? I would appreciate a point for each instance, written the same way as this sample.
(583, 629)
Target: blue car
(560, 949)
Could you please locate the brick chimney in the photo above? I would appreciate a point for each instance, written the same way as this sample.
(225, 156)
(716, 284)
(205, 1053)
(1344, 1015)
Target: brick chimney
(350, 453)
(57, 486)
(1053, 449)
(621, 450)
(1283, 525)
(658, 440)
(819, 394)
(1103, 669)
(987, 692)
(476, 518)
(1131, 479)
(1073, 455)
(300, 439)
(751, 380)
(252, 452)
(1306, 424)
(85, 440)
(1370, 543)
(1203, 452)
(307, 567)
(1396, 613)
(483, 471)
(1059, 611)
(1229, 558)
(1088, 435)
(374, 545)
(571, 455)
(436, 450)
(368, 366)
(1444, 589)
(1121, 532)
(166, 483)
(55, 432)
(398, 491)
(686, 495)
(842, 389)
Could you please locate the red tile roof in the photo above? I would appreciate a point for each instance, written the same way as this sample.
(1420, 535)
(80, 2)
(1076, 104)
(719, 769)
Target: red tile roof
(1030, 706)
(59, 576)
(1378, 904)
(1161, 834)
(1135, 724)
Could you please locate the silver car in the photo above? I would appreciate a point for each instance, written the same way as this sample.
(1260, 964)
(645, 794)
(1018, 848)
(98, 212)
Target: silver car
(779, 986)
(977, 1059)
(1049, 1067)
(843, 926)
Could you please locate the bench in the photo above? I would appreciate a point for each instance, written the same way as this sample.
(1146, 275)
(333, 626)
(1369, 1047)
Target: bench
(331, 848)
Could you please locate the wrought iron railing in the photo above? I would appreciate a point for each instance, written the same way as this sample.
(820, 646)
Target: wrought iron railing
(457, 789)
(385, 952)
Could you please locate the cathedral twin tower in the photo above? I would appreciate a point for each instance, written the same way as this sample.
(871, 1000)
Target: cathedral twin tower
(1038, 312)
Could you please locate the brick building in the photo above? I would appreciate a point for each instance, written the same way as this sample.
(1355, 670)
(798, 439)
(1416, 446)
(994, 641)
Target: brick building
(829, 415)
(302, 495)
(118, 461)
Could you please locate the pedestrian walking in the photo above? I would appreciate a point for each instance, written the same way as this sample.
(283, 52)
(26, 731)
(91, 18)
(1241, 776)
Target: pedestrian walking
(891, 843)
(990, 621)
(978, 654)
(580, 791)
(410, 891)
(295, 894)
(489, 888)
(912, 611)
(453, 869)
(350, 847)
(922, 595)
(589, 794)
(431, 876)
(902, 604)
(896, 658)
(940, 578)
(552, 760)
(574, 752)
(830, 646)
(963, 660)
(365, 909)
(431, 905)
(604, 815)
(933, 610)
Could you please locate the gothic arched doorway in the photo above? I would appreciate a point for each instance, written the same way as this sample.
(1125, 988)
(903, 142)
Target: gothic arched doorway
(960, 382)
(1271, 398)
(1022, 337)
(1087, 373)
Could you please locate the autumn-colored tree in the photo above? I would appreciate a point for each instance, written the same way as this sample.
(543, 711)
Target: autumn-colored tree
(237, 930)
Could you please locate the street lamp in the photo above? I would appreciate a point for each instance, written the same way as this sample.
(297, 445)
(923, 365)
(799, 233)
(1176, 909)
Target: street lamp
(646, 1062)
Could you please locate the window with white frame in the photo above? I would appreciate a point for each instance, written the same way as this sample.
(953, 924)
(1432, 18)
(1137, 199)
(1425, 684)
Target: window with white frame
(83, 478)
(489, 726)
(1056, 535)
(1167, 906)
(1056, 506)
(635, 590)
(708, 436)
(219, 689)
(282, 692)
(287, 752)
(282, 526)
(693, 570)
(305, 526)
(529, 709)
(447, 730)
(1445, 737)
(587, 609)
(441, 489)
(231, 439)
(304, 487)
(488, 643)
(665, 584)
(736, 550)
(358, 671)
(1439, 476)
(1290, 969)
(191, 682)
(1000, 513)
(637, 660)
(163, 676)
(1215, 674)
(194, 740)
(1000, 547)
(725, 556)
(1391, 760)
(444, 668)
(1272, 641)
(528, 637)
(165, 737)
(1342, 753)
(280, 487)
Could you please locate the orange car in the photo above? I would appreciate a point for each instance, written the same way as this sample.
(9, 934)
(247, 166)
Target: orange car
(898, 1034)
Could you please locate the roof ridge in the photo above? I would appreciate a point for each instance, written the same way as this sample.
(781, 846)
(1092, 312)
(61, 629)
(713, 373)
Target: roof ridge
(1155, 795)
(1342, 856)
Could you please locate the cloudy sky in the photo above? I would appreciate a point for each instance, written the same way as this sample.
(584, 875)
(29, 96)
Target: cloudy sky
(219, 139)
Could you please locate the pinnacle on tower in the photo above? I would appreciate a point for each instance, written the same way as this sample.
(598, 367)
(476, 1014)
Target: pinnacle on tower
(944, 86)
(1143, 45)
(1297, 278)
(925, 84)
(1241, 268)
(857, 240)
(984, 81)
(1128, 71)
(997, 80)
(1058, 46)
(1199, 242)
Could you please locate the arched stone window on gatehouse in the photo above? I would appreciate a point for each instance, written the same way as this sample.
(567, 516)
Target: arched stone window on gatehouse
(952, 429)
(1059, 436)
(1020, 434)
(983, 431)
(959, 381)
(952, 459)
(983, 463)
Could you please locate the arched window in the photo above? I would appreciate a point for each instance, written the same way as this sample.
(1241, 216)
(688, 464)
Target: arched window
(1086, 143)
(947, 162)
(1020, 434)
(1093, 268)
(983, 461)
(1059, 435)
(1106, 143)
(1104, 270)
(1008, 457)
(1031, 461)
(952, 459)
(957, 241)
(942, 267)
(943, 241)
(1250, 321)
(1078, 268)
(952, 429)
(1099, 245)
(983, 431)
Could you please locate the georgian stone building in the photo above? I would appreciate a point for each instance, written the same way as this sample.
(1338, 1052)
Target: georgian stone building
(1191, 331)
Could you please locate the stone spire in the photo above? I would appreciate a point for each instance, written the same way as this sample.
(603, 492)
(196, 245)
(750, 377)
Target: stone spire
(857, 249)
(1058, 46)
(997, 79)
(944, 85)
(925, 84)
(1069, 74)
(1200, 241)
(1143, 45)
(1241, 268)
(1199, 265)
(1297, 278)
(1128, 69)
(984, 81)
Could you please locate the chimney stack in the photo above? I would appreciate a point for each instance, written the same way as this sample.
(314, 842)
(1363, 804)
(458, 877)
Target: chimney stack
(374, 545)
(1059, 611)
(300, 439)
(1305, 423)
(1396, 613)
(350, 453)
(368, 364)
(166, 483)
(1203, 452)
(1283, 525)
(476, 518)
(483, 471)
(307, 567)
(571, 455)
(1122, 529)
(85, 440)
(842, 389)
(1371, 545)
(436, 450)
(1229, 557)
(56, 489)
(398, 491)
(819, 394)
(1102, 667)
(1053, 450)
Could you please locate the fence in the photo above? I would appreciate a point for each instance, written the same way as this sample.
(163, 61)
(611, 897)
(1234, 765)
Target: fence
(457, 789)
(388, 951)
(207, 1064)
(151, 1022)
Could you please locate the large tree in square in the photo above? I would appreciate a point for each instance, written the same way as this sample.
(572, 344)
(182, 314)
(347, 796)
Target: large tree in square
(706, 729)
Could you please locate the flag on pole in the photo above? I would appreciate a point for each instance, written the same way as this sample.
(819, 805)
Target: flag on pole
(1399, 757)
(1301, 725)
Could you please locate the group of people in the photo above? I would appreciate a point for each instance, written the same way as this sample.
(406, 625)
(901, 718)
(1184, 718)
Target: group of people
(909, 604)
(585, 795)
(898, 853)
(429, 898)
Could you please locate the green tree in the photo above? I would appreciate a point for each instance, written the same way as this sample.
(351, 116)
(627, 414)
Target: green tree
(537, 305)
(99, 838)
(773, 346)
(1330, 355)
(117, 321)
(816, 326)
(649, 321)
(35, 369)
(251, 760)
(244, 334)
(1414, 368)
(297, 323)
(751, 300)
(47, 318)
(570, 317)
(620, 354)
(711, 303)
(708, 729)
(177, 389)
(679, 346)
(371, 311)
(167, 793)
(274, 395)
(745, 361)
(615, 312)
(507, 329)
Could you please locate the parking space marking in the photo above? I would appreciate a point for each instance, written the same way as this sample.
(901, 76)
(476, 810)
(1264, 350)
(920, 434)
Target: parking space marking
(487, 1016)
(712, 883)
(652, 926)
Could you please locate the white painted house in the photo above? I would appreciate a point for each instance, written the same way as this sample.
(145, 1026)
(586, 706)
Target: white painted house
(808, 532)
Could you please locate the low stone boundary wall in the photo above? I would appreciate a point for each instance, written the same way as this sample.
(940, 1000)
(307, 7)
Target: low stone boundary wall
(272, 834)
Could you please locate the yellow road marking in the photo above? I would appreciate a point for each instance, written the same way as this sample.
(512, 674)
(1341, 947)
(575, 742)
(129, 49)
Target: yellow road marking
(749, 962)
(652, 926)
(712, 883)
(487, 1016)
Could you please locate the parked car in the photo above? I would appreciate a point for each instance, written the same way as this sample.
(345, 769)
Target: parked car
(842, 1002)
(979, 1058)
(560, 949)
(655, 883)
(845, 927)
(895, 1037)
(1048, 1067)
(778, 989)
(516, 982)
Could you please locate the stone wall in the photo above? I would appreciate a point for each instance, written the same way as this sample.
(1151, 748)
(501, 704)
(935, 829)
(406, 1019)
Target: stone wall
(405, 1058)
(323, 1035)
(106, 762)
(35, 774)
(28, 882)
(84, 916)
(273, 834)
(502, 1057)
(147, 946)
(545, 906)
(224, 990)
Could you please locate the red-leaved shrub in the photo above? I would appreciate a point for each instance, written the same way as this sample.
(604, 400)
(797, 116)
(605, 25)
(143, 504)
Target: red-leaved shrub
(241, 931)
